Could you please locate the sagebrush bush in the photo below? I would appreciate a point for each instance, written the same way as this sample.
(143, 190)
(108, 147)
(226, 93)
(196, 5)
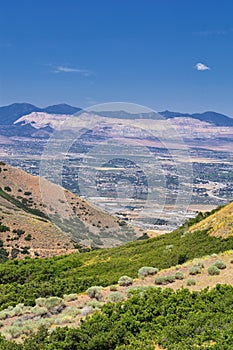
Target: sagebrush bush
(170, 278)
(162, 280)
(115, 297)
(71, 311)
(50, 302)
(133, 290)
(69, 297)
(125, 281)
(3, 315)
(179, 276)
(63, 319)
(86, 310)
(191, 282)
(113, 288)
(194, 270)
(95, 304)
(95, 292)
(220, 264)
(213, 270)
(198, 263)
(15, 331)
(146, 271)
(39, 311)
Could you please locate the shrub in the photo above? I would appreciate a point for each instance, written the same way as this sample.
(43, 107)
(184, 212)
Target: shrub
(113, 288)
(87, 310)
(191, 282)
(170, 278)
(28, 237)
(3, 315)
(69, 297)
(220, 264)
(160, 280)
(198, 263)
(95, 292)
(146, 271)
(7, 188)
(27, 193)
(179, 276)
(15, 331)
(4, 228)
(115, 297)
(95, 304)
(125, 281)
(50, 303)
(194, 270)
(165, 279)
(213, 270)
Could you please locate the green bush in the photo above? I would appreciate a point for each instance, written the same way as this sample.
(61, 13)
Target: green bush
(163, 280)
(146, 271)
(125, 281)
(220, 264)
(69, 297)
(170, 278)
(50, 303)
(95, 292)
(179, 276)
(95, 304)
(113, 288)
(213, 270)
(115, 297)
(194, 270)
(191, 282)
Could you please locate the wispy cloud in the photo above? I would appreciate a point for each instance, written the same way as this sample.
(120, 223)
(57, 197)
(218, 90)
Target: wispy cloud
(66, 69)
(212, 32)
(201, 67)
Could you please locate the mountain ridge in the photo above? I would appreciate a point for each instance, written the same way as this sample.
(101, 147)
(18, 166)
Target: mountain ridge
(10, 113)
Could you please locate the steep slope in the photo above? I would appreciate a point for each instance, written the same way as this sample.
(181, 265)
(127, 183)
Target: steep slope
(24, 234)
(219, 224)
(83, 222)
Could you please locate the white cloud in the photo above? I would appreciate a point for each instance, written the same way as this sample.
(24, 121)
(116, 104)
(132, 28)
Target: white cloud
(65, 69)
(201, 67)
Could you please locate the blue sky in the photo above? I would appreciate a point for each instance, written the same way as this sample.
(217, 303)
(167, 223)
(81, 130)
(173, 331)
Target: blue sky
(143, 51)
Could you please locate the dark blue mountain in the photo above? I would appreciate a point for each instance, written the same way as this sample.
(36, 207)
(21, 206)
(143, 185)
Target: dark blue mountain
(61, 109)
(214, 118)
(9, 114)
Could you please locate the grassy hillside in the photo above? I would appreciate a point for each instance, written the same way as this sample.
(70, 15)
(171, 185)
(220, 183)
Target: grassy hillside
(219, 223)
(25, 280)
(23, 233)
(83, 222)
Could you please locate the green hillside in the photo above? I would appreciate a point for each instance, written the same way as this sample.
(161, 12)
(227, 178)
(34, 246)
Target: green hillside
(25, 280)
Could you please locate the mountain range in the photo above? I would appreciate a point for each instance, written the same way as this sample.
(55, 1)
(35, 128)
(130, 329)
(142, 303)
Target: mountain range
(11, 113)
